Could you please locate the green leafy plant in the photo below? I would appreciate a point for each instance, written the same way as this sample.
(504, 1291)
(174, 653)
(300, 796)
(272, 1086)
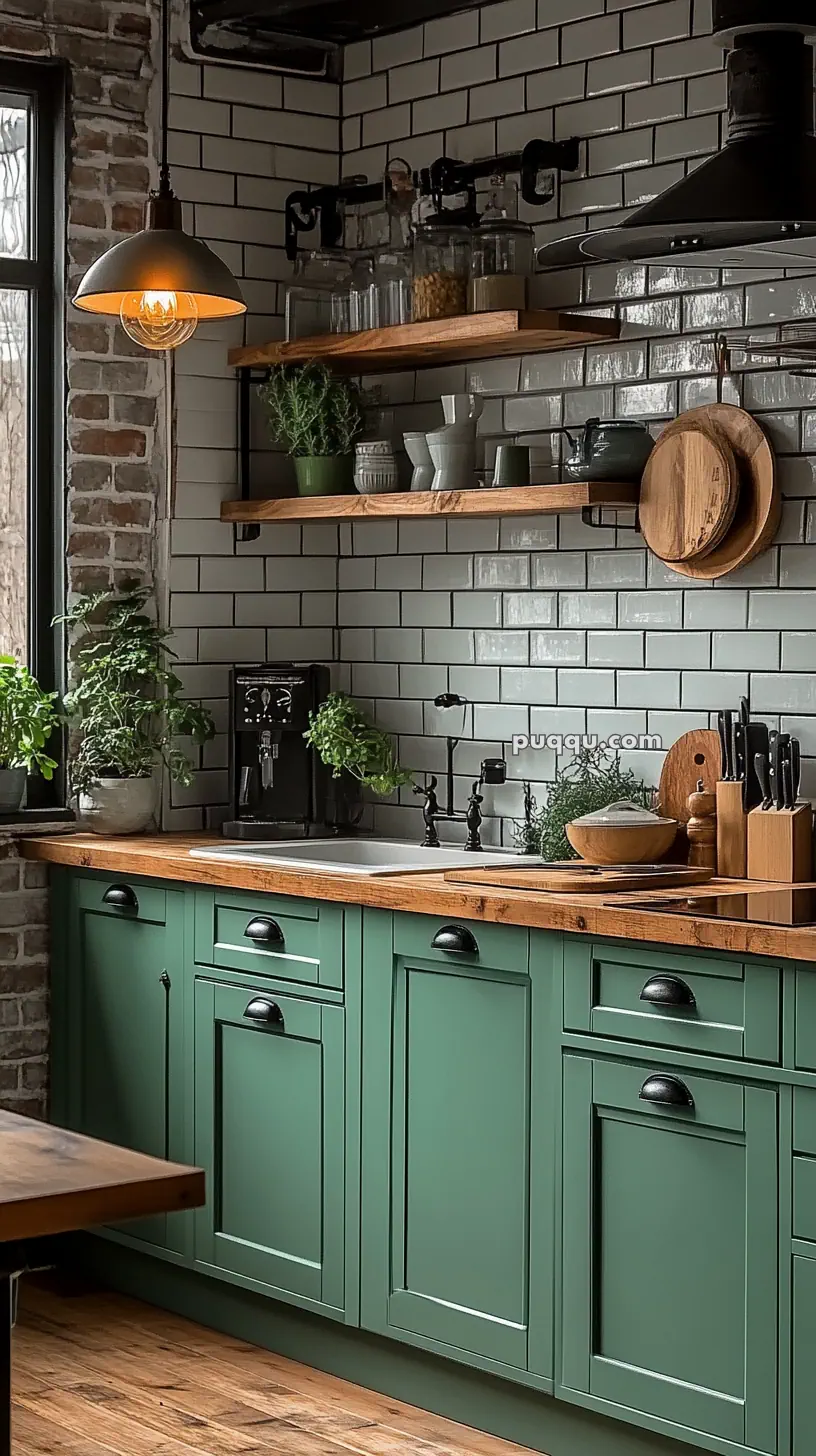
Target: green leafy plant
(28, 717)
(311, 411)
(347, 740)
(593, 780)
(125, 708)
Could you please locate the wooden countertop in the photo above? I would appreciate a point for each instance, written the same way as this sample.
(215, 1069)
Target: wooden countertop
(166, 857)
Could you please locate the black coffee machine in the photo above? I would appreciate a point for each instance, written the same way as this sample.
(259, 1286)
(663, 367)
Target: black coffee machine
(279, 788)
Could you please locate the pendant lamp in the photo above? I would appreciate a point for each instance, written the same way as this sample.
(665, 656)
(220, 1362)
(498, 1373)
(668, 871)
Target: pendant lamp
(160, 281)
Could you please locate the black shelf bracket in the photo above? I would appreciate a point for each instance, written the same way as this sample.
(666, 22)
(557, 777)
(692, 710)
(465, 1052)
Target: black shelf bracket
(247, 376)
(593, 516)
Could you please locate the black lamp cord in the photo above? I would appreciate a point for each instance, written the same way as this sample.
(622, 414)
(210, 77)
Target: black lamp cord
(164, 166)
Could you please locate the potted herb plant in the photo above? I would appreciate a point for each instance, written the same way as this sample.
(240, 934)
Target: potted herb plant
(126, 712)
(349, 743)
(28, 717)
(318, 417)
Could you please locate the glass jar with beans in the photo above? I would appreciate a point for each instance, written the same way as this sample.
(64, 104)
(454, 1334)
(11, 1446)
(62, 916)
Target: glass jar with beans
(441, 270)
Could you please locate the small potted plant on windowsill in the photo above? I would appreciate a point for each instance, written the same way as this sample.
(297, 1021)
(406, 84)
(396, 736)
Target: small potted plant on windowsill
(318, 417)
(125, 712)
(28, 717)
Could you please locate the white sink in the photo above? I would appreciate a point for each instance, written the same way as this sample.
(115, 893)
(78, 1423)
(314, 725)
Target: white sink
(355, 856)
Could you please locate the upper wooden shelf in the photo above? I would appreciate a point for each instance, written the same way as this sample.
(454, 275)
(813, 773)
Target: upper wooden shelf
(530, 500)
(443, 341)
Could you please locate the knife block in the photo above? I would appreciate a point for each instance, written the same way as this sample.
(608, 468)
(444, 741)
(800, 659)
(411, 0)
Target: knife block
(732, 831)
(780, 844)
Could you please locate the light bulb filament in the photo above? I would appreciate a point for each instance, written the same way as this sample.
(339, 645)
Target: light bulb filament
(159, 318)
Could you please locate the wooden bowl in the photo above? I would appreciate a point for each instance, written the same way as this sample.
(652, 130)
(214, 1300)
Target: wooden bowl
(611, 844)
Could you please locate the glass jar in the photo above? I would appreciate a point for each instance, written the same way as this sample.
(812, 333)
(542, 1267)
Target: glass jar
(441, 269)
(317, 298)
(501, 265)
(362, 278)
(390, 292)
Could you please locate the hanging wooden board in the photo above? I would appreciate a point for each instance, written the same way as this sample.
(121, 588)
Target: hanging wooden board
(689, 492)
(759, 508)
(578, 878)
(695, 756)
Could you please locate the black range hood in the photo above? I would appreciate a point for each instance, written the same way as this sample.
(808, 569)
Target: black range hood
(754, 203)
(304, 35)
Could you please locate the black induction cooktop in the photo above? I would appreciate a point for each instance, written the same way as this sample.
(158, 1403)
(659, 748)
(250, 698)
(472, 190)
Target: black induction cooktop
(790, 906)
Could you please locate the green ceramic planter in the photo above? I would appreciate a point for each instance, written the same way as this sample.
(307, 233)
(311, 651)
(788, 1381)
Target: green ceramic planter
(325, 474)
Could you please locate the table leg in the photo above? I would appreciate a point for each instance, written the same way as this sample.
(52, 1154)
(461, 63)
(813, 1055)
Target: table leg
(6, 1317)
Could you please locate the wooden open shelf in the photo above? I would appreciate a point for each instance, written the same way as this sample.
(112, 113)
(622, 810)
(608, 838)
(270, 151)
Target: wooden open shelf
(444, 341)
(530, 500)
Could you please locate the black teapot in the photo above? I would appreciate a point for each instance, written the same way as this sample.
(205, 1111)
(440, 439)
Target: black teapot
(608, 450)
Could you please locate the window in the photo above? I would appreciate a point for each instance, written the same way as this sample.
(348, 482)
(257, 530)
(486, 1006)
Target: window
(31, 310)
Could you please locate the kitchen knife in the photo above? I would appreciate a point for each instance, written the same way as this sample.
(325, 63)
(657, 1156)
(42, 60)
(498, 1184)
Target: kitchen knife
(779, 753)
(745, 716)
(756, 735)
(724, 745)
(738, 750)
(762, 770)
(796, 769)
(787, 781)
(728, 763)
(772, 737)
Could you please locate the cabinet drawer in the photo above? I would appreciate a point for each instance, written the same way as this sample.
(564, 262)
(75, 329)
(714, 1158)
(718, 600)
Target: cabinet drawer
(123, 898)
(452, 941)
(804, 1198)
(270, 935)
(662, 998)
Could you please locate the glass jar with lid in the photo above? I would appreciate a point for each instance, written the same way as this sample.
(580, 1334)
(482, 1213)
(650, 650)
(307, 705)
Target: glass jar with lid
(441, 270)
(502, 256)
(317, 299)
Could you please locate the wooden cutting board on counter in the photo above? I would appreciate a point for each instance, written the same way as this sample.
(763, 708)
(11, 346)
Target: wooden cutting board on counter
(573, 877)
(694, 756)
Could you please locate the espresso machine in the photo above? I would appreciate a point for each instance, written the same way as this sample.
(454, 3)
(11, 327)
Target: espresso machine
(279, 788)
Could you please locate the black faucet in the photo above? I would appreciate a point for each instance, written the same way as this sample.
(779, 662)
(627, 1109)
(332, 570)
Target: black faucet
(493, 771)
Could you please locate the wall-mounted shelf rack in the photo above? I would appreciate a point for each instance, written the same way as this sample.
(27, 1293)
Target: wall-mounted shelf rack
(442, 341)
(530, 500)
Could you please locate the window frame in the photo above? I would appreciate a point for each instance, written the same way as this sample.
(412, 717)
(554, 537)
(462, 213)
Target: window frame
(42, 277)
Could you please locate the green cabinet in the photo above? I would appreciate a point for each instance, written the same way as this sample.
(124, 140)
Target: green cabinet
(670, 1248)
(270, 1129)
(447, 1127)
(118, 995)
(804, 1345)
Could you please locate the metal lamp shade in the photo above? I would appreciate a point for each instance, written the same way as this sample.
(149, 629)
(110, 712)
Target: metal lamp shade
(161, 259)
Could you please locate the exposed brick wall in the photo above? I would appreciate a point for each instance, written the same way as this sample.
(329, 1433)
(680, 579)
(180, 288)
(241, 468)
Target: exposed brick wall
(115, 450)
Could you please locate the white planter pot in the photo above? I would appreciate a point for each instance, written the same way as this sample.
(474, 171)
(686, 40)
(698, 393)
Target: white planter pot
(119, 806)
(12, 789)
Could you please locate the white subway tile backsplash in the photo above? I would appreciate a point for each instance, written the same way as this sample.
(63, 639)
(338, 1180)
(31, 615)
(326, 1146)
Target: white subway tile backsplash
(679, 649)
(615, 649)
(649, 689)
(477, 609)
(528, 53)
(649, 25)
(588, 609)
(452, 33)
(586, 39)
(502, 647)
(586, 687)
(508, 17)
(529, 609)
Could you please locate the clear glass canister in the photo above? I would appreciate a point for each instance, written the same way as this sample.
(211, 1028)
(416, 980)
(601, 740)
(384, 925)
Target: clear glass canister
(390, 294)
(441, 269)
(317, 299)
(501, 265)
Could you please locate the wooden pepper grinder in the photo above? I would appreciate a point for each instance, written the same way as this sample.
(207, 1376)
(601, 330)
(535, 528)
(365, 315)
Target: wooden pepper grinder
(702, 829)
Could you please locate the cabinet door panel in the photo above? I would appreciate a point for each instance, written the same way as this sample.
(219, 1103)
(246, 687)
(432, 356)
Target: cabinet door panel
(122, 1005)
(446, 1138)
(270, 1132)
(804, 1344)
(669, 1248)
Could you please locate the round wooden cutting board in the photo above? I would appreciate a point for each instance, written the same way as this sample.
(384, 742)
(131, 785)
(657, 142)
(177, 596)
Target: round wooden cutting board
(759, 507)
(694, 756)
(689, 491)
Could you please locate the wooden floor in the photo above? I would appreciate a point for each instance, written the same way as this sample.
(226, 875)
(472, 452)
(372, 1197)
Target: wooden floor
(96, 1373)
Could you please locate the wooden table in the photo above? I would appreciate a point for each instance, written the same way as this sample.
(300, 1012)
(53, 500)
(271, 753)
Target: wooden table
(53, 1181)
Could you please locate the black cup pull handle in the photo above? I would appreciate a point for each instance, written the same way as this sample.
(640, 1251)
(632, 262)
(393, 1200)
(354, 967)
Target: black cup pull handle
(665, 990)
(269, 1012)
(665, 1091)
(264, 931)
(456, 940)
(121, 896)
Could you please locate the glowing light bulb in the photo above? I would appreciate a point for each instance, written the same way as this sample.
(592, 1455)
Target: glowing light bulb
(159, 319)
